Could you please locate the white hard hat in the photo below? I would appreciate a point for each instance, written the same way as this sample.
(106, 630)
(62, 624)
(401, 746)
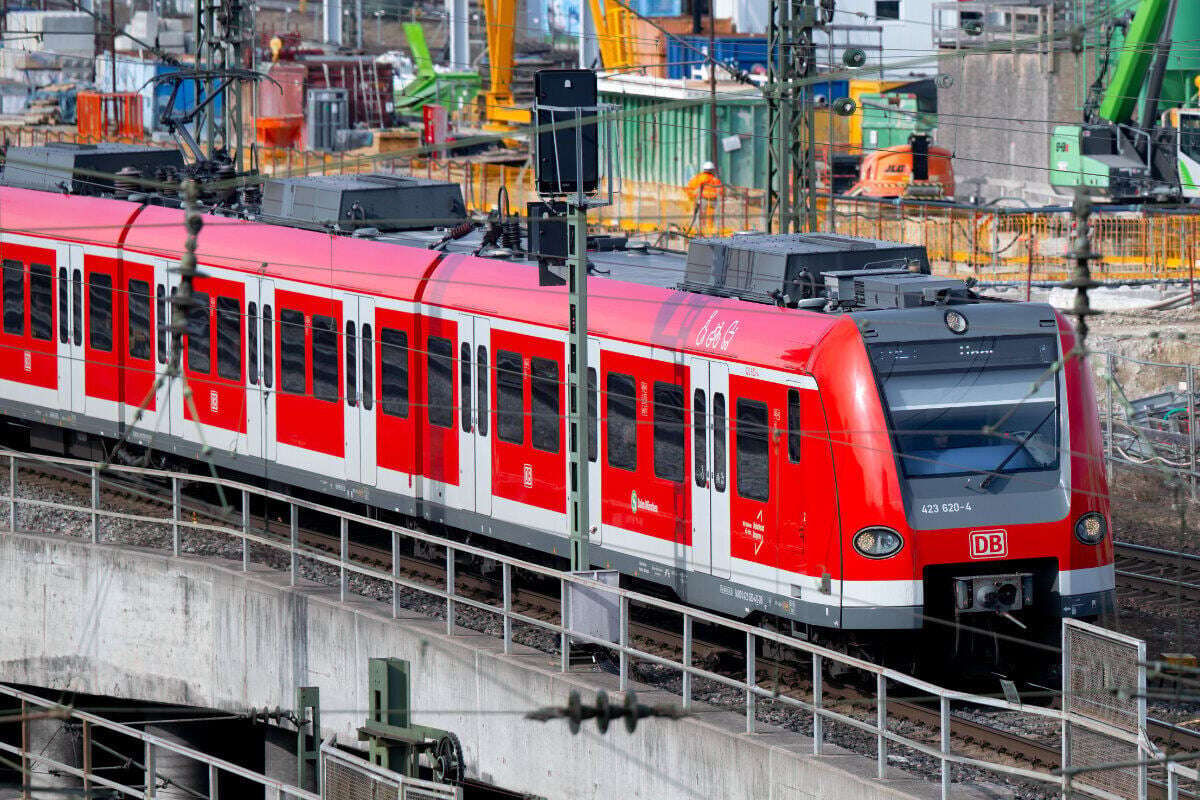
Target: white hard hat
(708, 166)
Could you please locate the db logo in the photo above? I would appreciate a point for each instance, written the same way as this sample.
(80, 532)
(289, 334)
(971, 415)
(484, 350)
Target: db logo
(28, 362)
(989, 544)
(527, 476)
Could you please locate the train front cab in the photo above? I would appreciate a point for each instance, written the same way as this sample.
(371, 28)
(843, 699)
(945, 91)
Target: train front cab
(971, 482)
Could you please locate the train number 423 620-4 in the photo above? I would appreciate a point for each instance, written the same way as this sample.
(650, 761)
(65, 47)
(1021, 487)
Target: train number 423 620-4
(945, 508)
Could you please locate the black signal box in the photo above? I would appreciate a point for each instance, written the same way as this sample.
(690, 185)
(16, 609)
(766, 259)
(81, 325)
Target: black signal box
(562, 151)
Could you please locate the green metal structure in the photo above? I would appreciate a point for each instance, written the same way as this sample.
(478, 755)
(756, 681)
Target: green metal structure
(1137, 51)
(394, 742)
(450, 89)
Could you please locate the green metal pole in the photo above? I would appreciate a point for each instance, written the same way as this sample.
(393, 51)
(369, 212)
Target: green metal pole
(577, 367)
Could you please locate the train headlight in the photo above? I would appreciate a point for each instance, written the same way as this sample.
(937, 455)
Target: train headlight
(877, 542)
(956, 322)
(1091, 528)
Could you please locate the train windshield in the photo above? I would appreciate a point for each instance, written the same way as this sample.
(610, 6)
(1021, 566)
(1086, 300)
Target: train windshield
(972, 406)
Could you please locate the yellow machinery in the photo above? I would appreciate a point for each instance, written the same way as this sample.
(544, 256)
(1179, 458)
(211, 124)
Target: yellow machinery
(500, 17)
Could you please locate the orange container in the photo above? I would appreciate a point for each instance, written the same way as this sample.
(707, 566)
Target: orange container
(279, 131)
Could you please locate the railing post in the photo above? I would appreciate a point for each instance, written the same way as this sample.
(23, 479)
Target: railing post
(214, 782)
(12, 493)
(751, 678)
(945, 735)
(245, 530)
(294, 541)
(344, 553)
(86, 744)
(623, 661)
(687, 661)
(449, 591)
(564, 639)
(881, 725)
(395, 574)
(818, 684)
(506, 602)
(176, 543)
(151, 772)
(95, 505)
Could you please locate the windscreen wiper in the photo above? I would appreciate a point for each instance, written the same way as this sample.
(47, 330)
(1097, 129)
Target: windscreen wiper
(995, 473)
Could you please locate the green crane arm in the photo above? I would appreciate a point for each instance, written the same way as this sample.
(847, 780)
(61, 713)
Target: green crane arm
(1120, 98)
(422, 61)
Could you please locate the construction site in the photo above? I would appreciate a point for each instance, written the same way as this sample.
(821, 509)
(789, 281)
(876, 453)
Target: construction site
(582, 398)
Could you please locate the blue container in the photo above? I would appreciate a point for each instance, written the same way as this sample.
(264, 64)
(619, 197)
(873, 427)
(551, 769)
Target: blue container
(185, 99)
(742, 52)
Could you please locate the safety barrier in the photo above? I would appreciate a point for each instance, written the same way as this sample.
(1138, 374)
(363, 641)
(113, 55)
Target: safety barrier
(93, 777)
(1164, 436)
(347, 777)
(878, 724)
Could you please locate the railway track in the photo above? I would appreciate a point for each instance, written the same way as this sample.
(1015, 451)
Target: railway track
(1156, 575)
(969, 736)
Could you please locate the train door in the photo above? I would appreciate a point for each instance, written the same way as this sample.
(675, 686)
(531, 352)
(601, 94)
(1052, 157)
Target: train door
(710, 466)
(357, 338)
(595, 505)
(75, 353)
(254, 365)
(159, 421)
(264, 398)
(481, 437)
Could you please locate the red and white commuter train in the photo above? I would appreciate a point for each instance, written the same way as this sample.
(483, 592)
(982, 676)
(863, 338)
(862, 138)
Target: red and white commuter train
(839, 462)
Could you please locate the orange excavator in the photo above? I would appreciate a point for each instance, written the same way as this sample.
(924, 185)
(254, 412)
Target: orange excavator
(917, 170)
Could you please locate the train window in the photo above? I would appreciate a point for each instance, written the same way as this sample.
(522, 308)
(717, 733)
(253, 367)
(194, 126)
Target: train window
(699, 437)
(393, 372)
(77, 307)
(252, 341)
(229, 338)
(368, 368)
(291, 351)
(41, 302)
(795, 433)
(100, 317)
(753, 463)
(622, 421)
(199, 344)
(464, 389)
(351, 365)
(718, 423)
(64, 301)
(668, 431)
(544, 404)
(139, 319)
(481, 387)
(160, 301)
(593, 409)
(510, 397)
(268, 342)
(440, 382)
(324, 358)
(14, 297)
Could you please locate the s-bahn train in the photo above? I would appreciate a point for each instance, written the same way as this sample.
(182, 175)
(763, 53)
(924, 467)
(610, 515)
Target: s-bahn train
(806, 429)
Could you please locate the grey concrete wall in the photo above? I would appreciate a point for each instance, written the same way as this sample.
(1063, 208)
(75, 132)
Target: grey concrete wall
(997, 118)
(141, 625)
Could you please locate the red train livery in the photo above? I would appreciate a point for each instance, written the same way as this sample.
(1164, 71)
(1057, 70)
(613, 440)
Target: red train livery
(837, 462)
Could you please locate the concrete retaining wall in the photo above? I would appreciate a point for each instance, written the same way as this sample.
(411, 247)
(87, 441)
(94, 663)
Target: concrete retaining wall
(141, 625)
(997, 119)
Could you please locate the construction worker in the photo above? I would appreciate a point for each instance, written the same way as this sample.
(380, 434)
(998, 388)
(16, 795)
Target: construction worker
(704, 190)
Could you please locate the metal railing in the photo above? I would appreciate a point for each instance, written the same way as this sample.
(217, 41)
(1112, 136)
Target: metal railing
(876, 724)
(347, 777)
(151, 746)
(1148, 440)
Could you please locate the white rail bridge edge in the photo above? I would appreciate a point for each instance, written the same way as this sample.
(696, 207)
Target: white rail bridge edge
(622, 648)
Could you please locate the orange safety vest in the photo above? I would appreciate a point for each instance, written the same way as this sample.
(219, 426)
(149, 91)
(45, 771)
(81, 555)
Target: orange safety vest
(704, 185)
